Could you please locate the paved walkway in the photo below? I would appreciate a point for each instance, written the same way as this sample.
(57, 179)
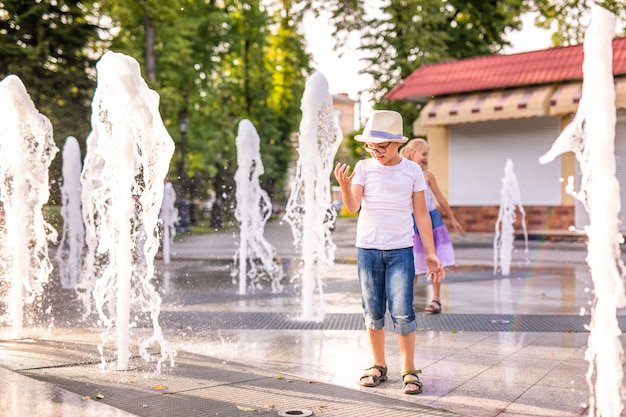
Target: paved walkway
(505, 346)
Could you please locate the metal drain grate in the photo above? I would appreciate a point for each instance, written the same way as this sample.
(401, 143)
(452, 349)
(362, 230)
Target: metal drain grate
(439, 322)
(505, 323)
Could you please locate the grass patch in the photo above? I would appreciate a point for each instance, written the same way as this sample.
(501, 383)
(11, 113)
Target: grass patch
(52, 215)
(202, 228)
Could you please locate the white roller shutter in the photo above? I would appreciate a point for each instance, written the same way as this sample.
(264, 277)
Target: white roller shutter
(478, 155)
(582, 217)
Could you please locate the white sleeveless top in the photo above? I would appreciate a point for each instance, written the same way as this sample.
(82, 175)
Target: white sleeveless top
(431, 204)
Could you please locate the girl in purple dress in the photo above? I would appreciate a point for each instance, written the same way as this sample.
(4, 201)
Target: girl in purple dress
(416, 150)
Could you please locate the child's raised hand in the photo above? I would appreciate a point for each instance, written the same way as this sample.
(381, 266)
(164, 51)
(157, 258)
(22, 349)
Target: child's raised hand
(435, 271)
(342, 174)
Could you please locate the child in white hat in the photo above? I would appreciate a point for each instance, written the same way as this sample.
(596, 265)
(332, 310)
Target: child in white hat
(386, 189)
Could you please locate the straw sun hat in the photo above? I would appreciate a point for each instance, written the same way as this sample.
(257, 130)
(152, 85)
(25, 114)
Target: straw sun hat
(383, 126)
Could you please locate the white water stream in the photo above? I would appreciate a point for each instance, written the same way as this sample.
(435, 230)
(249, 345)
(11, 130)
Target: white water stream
(169, 218)
(69, 254)
(591, 136)
(510, 203)
(127, 160)
(309, 209)
(26, 150)
(254, 259)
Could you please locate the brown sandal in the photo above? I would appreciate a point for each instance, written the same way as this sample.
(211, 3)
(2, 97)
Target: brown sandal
(407, 382)
(377, 379)
(434, 307)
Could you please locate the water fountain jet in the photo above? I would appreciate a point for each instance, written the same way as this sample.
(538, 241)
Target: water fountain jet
(510, 199)
(253, 210)
(127, 159)
(26, 150)
(591, 136)
(309, 210)
(169, 218)
(69, 254)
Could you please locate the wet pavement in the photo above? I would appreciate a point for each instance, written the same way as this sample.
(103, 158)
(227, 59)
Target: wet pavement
(504, 346)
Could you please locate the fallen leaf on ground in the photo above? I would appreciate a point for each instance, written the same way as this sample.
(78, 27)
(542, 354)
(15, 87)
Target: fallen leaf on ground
(320, 408)
(242, 408)
(159, 387)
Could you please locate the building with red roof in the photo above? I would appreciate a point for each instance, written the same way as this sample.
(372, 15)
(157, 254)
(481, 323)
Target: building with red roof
(479, 112)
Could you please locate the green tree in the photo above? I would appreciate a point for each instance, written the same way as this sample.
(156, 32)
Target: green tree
(569, 18)
(290, 66)
(160, 35)
(243, 91)
(344, 15)
(216, 63)
(417, 32)
(265, 71)
(47, 45)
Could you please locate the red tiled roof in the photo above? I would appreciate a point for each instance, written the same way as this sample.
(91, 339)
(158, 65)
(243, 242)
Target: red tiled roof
(500, 71)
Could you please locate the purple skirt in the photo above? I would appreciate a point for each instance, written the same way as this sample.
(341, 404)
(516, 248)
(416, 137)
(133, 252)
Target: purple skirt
(443, 246)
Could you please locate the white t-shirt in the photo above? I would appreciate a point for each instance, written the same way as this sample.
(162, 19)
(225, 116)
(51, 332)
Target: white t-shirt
(385, 220)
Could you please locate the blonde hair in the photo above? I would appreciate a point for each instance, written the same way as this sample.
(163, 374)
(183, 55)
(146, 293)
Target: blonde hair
(412, 146)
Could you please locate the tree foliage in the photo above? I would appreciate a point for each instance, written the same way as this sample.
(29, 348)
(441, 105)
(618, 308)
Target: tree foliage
(345, 16)
(405, 34)
(47, 45)
(569, 18)
(212, 63)
(290, 66)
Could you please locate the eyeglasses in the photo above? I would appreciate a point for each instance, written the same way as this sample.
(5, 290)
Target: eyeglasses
(378, 148)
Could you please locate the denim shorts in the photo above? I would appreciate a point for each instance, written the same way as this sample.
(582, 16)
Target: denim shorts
(386, 278)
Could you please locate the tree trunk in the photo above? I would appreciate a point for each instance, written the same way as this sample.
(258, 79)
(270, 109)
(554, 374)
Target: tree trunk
(150, 59)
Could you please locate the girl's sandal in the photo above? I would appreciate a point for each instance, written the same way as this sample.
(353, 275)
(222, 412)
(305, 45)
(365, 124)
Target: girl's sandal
(376, 379)
(434, 307)
(407, 382)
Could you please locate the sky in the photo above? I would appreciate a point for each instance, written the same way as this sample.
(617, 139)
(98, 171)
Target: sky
(341, 68)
